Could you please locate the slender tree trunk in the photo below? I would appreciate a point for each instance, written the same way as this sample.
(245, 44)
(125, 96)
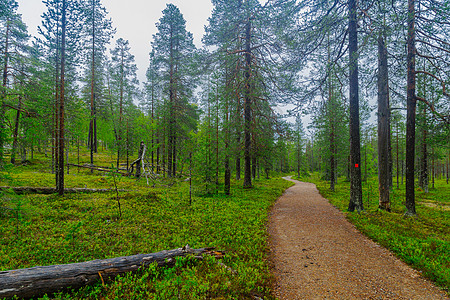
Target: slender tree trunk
(158, 167)
(60, 186)
(383, 127)
(127, 143)
(174, 151)
(355, 155)
(411, 112)
(163, 153)
(3, 95)
(217, 141)
(332, 141)
(433, 168)
(67, 158)
(91, 123)
(55, 134)
(389, 140)
(170, 143)
(153, 130)
(298, 152)
(397, 159)
(190, 178)
(119, 136)
(247, 108)
(424, 160)
(330, 111)
(16, 132)
(227, 175)
(78, 153)
(254, 166)
(448, 165)
(238, 154)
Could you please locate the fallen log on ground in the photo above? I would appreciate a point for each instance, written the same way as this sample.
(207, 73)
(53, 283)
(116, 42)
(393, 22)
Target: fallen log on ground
(52, 190)
(101, 169)
(37, 281)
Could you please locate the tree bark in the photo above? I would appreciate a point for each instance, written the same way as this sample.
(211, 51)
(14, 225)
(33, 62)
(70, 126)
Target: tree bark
(60, 185)
(355, 155)
(383, 127)
(247, 108)
(37, 281)
(411, 112)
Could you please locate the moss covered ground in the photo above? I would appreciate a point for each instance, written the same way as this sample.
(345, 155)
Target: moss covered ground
(49, 229)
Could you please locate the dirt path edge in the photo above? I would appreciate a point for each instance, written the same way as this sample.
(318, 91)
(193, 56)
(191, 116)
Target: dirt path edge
(317, 254)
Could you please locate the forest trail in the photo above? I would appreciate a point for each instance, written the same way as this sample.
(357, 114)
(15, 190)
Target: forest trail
(318, 254)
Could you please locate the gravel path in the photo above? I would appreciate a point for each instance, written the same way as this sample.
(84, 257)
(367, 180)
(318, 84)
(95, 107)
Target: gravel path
(318, 254)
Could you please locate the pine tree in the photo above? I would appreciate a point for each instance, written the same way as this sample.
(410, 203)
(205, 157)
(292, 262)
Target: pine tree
(13, 45)
(98, 32)
(13, 39)
(174, 49)
(152, 106)
(61, 32)
(124, 85)
(246, 37)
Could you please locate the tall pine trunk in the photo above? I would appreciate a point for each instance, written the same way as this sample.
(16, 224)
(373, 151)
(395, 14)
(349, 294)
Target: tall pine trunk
(411, 112)
(92, 141)
(355, 155)
(247, 108)
(383, 127)
(60, 173)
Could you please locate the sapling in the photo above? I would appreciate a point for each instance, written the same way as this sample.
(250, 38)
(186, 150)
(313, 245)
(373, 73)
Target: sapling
(113, 174)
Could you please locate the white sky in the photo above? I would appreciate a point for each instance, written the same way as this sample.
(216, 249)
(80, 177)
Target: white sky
(135, 21)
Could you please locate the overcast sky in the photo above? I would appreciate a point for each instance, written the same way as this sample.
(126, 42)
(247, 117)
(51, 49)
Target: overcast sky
(134, 20)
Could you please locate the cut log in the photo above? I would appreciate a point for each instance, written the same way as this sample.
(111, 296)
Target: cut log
(37, 281)
(52, 190)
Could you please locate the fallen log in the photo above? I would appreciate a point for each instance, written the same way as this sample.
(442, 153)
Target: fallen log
(36, 281)
(52, 190)
(101, 169)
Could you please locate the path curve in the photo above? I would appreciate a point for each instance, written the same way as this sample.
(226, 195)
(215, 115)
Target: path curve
(318, 254)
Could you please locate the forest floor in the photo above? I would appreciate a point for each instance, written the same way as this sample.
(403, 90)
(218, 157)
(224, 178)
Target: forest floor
(318, 254)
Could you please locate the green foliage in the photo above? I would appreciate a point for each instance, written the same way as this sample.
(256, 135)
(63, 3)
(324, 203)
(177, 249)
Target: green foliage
(423, 242)
(79, 227)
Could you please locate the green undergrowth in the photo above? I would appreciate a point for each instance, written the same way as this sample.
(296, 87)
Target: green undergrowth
(38, 230)
(422, 241)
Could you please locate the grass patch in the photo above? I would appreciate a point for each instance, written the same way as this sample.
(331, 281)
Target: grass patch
(48, 229)
(423, 242)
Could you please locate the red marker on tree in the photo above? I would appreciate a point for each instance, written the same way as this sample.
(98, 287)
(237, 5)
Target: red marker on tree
(356, 166)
